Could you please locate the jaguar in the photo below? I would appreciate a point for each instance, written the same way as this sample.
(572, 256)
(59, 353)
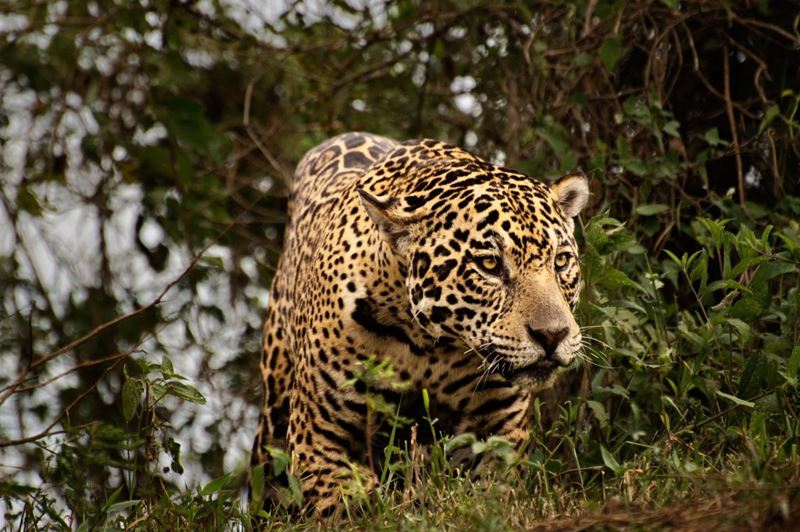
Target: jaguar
(462, 274)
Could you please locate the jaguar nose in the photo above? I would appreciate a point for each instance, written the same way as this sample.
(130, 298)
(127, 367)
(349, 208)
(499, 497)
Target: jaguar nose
(548, 338)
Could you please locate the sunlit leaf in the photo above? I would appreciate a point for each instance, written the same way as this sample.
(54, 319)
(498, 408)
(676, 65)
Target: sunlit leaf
(651, 209)
(186, 392)
(738, 401)
(609, 460)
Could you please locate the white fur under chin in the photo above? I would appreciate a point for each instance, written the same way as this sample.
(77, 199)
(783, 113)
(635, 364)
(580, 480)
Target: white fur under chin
(528, 382)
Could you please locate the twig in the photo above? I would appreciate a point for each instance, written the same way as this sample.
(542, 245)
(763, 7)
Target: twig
(732, 123)
(587, 21)
(766, 25)
(777, 182)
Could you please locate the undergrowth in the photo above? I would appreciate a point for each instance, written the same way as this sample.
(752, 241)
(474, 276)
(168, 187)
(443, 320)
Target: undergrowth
(684, 405)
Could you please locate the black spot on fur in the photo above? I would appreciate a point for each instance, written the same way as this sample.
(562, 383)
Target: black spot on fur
(464, 312)
(356, 160)
(414, 202)
(491, 218)
(439, 314)
(441, 251)
(420, 263)
(353, 141)
(443, 270)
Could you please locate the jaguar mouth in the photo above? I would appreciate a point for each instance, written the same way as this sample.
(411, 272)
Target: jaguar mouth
(538, 371)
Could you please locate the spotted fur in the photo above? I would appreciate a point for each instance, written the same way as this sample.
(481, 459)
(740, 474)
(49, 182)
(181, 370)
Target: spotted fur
(460, 272)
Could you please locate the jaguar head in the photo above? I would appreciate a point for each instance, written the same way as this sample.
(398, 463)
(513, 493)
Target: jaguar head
(491, 261)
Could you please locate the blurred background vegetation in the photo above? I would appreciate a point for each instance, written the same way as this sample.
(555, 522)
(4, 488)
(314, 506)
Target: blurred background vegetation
(145, 153)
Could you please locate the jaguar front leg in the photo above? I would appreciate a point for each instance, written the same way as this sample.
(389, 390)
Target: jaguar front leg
(511, 423)
(320, 451)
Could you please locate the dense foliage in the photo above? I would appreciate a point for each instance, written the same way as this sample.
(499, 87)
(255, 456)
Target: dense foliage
(146, 151)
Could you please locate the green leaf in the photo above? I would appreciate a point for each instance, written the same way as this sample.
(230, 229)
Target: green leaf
(124, 505)
(614, 278)
(674, 258)
(459, 441)
(616, 389)
(131, 397)
(166, 366)
(256, 487)
(634, 165)
(280, 460)
(712, 138)
(756, 210)
(158, 391)
(134, 369)
(583, 59)
(755, 369)
(746, 308)
(747, 263)
(733, 398)
(771, 270)
(728, 284)
(649, 209)
(794, 361)
(215, 486)
(698, 267)
(214, 262)
(599, 412)
(772, 112)
(295, 491)
(609, 460)
(741, 327)
(671, 128)
(559, 141)
(27, 201)
(610, 52)
(715, 227)
(112, 498)
(185, 392)
(17, 491)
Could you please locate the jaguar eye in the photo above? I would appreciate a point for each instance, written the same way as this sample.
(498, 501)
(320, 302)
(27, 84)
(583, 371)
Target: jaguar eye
(562, 261)
(490, 264)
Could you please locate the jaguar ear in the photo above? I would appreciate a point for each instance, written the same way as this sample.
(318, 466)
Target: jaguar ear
(572, 193)
(380, 211)
(387, 214)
